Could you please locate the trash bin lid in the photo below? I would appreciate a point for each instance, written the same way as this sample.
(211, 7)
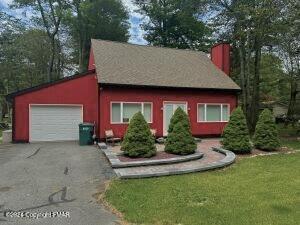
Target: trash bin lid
(86, 124)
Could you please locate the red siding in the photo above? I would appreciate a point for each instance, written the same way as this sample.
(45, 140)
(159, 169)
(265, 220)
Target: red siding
(81, 90)
(157, 97)
(220, 56)
(91, 65)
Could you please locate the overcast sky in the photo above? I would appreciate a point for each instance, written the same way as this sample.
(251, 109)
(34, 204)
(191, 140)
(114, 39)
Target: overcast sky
(136, 34)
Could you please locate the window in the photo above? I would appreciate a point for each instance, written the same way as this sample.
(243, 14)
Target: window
(213, 112)
(122, 112)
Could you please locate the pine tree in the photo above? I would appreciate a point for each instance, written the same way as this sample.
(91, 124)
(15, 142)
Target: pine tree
(180, 140)
(138, 140)
(266, 134)
(236, 134)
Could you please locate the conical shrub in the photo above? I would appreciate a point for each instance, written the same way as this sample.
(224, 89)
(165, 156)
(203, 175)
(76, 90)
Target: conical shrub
(236, 134)
(180, 140)
(266, 134)
(138, 140)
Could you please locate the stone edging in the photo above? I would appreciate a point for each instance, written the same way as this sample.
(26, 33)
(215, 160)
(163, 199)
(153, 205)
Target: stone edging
(229, 159)
(116, 163)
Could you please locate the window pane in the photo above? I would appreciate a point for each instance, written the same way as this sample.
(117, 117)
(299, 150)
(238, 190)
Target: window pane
(213, 113)
(182, 106)
(225, 113)
(147, 112)
(201, 112)
(116, 112)
(129, 110)
(168, 115)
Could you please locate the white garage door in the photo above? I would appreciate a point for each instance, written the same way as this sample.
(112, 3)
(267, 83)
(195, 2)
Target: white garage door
(54, 122)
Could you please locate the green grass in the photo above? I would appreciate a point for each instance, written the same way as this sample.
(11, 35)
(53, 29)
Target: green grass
(261, 190)
(291, 143)
(287, 131)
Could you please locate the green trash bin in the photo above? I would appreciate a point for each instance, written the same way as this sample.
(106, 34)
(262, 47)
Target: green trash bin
(86, 131)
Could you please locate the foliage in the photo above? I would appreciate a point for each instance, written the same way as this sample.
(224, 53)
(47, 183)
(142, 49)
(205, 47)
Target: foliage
(180, 140)
(138, 140)
(288, 130)
(236, 135)
(48, 15)
(195, 198)
(266, 134)
(174, 23)
(272, 85)
(252, 26)
(99, 19)
(288, 49)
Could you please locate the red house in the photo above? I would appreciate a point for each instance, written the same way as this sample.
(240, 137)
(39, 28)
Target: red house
(122, 80)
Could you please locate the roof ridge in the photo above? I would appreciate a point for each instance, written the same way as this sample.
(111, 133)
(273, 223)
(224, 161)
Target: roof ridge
(152, 46)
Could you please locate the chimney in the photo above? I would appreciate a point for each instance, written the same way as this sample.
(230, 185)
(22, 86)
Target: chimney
(220, 56)
(91, 65)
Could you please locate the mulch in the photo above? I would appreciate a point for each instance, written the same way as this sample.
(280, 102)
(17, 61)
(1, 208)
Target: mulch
(159, 155)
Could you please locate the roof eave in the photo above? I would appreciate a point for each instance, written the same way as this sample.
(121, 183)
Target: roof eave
(104, 84)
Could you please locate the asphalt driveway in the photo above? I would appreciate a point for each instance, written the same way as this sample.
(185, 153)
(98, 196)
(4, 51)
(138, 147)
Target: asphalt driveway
(53, 177)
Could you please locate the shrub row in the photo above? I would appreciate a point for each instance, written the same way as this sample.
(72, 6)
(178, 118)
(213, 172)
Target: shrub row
(236, 135)
(139, 142)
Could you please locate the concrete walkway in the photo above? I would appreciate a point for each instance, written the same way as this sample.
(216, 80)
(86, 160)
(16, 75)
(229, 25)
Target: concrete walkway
(51, 177)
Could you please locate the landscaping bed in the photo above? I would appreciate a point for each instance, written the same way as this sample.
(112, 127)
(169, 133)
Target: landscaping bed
(159, 155)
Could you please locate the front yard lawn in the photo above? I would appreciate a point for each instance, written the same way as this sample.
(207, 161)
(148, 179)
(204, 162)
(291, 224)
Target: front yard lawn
(261, 190)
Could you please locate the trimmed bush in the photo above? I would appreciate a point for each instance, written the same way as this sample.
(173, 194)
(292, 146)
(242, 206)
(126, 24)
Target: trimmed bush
(180, 140)
(138, 140)
(236, 134)
(266, 134)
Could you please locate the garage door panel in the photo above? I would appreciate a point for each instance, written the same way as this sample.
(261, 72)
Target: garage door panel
(54, 123)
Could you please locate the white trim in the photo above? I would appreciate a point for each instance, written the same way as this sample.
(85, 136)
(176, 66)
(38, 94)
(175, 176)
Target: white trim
(165, 130)
(121, 111)
(29, 113)
(205, 106)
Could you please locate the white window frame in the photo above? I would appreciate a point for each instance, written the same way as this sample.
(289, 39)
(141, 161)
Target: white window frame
(121, 111)
(205, 105)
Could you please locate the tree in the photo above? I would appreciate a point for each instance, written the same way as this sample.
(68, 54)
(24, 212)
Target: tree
(266, 134)
(288, 48)
(138, 140)
(174, 23)
(51, 14)
(252, 27)
(236, 135)
(180, 140)
(99, 19)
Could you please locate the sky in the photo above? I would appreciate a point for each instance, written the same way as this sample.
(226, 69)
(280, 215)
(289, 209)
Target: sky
(136, 33)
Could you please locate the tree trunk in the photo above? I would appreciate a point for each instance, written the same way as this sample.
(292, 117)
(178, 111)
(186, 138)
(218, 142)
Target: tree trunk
(51, 62)
(253, 116)
(292, 101)
(242, 75)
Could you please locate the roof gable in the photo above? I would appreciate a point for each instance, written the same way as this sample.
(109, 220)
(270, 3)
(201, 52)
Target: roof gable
(129, 64)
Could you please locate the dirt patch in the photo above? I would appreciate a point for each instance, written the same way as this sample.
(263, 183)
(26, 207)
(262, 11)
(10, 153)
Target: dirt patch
(258, 152)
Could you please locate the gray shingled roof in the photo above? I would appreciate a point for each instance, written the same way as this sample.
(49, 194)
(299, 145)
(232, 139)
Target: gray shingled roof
(129, 64)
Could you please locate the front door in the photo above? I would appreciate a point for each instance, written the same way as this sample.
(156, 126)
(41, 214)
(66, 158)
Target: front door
(169, 109)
